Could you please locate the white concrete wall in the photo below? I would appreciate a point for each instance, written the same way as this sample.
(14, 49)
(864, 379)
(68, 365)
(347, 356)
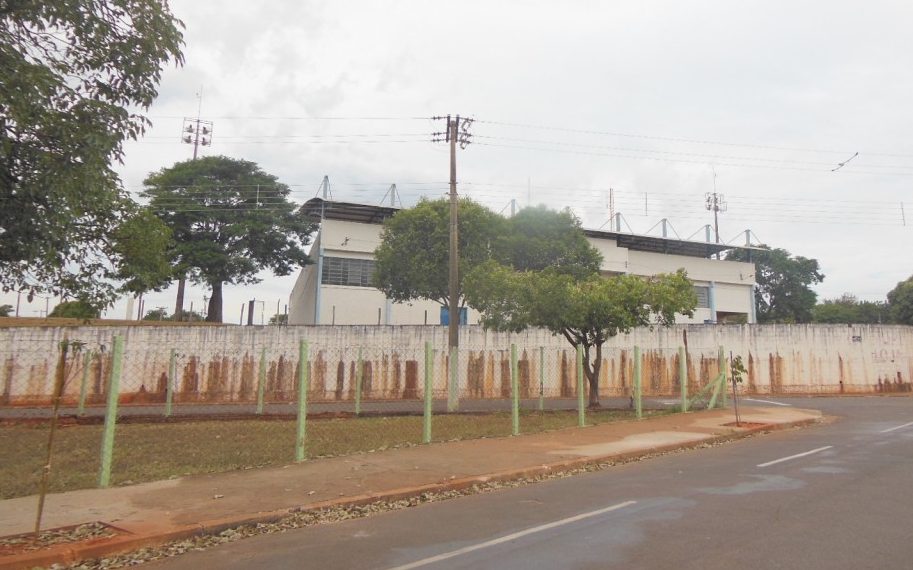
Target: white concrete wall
(698, 268)
(344, 305)
(614, 258)
(220, 364)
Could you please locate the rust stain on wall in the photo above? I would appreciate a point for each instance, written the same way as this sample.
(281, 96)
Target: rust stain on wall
(523, 369)
(319, 377)
(504, 370)
(411, 391)
(752, 375)
(776, 373)
(817, 360)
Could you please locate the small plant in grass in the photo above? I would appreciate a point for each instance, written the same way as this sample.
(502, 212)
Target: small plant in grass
(736, 372)
(62, 374)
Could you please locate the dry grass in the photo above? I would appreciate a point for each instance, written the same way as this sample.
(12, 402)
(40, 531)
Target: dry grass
(149, 452)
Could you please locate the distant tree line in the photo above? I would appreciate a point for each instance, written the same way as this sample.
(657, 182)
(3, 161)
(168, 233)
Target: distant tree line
(784, 293)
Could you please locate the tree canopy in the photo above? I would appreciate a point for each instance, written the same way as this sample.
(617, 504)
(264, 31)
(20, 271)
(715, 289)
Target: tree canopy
(143, 243)
(847, 309)
(586, 312)
(74, 74)
(161, 314)
(229, 221)
(539, 238)
(75, 310)
(412, 260)
(900, 298)
(6, 310)
(784, 281)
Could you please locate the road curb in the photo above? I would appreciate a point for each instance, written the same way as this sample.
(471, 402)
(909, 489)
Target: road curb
(132, 540)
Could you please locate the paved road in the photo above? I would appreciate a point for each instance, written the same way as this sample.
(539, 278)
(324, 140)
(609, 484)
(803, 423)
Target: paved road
(833, 496)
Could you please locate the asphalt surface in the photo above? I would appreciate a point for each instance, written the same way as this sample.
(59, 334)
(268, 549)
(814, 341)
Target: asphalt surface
(831, 496)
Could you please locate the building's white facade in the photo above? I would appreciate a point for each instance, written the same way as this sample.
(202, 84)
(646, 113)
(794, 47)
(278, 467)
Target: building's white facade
(343, 253)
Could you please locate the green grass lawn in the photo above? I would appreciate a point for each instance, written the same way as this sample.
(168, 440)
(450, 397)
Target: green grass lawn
(149, 452)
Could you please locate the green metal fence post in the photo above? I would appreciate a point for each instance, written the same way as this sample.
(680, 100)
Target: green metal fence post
(638, 384)
(107, 438)
(581, 402)
(683, 376)
(453, 384)
(359, 375)
(514, 391)
(261, 381)
(304, 381)
(426, 417)
(169, 386)
(83, 387)
(541, 378)
(724, 377)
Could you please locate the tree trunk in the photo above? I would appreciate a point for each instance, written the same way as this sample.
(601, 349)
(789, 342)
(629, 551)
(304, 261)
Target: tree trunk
(179, 302)
(591, 371)
(214, 312)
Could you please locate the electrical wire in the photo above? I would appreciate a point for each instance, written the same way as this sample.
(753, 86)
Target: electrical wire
(688, 140)
(686, 161)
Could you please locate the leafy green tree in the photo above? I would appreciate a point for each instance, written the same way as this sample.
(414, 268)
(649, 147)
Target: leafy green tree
(849, 310)
(784, 293)
(74, 76)
(161, 314)
(75, 310)
(143, 244)
(229, 220)
(900, 299)
(278, 319)
(539, 238)
(412, 259)
(157, 314)
(586, 312)
(6, 310)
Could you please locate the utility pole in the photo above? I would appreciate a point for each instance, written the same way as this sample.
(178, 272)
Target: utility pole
(451, 135)
(457, 133)
(716, 203)
(196, 132)
(453, 321)
(611, 203)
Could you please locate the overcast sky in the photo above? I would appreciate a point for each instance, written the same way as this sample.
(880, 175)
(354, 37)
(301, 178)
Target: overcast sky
(570, 99)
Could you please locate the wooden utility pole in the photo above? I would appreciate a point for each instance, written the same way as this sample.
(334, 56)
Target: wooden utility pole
(197, 132)
(457, 133)
(454, 282)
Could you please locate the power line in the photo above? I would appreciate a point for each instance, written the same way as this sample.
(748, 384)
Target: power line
(301, 118)
(828, 165)
(685, 161)
(687, 140)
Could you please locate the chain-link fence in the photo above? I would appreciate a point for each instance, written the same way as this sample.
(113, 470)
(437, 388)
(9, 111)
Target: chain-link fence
(140, 411)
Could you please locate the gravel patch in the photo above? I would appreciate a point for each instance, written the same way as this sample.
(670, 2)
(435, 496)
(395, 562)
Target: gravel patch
(47, 538)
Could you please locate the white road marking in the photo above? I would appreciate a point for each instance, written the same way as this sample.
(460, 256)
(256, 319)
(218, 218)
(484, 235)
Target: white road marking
(796, 456)
(509, 537)
(908, 424)
(766, 402)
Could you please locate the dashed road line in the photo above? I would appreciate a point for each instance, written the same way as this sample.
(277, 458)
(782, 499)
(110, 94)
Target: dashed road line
(908, 424)
(796, 456)
(509, 537)
(766, 402)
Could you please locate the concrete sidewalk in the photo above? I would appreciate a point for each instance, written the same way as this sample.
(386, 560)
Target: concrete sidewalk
(153, 513)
